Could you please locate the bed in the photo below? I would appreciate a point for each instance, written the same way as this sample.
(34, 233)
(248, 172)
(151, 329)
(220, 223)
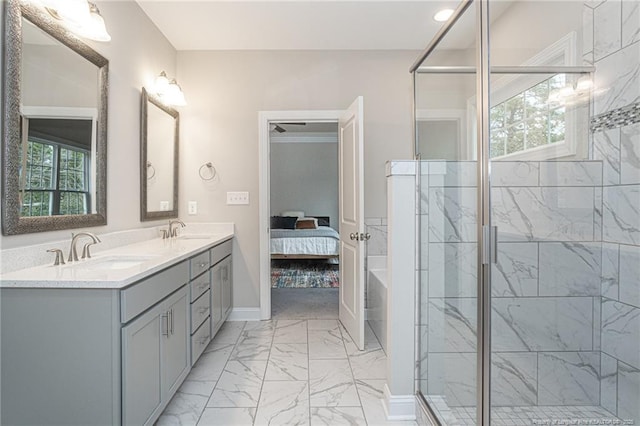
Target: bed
(321, 242)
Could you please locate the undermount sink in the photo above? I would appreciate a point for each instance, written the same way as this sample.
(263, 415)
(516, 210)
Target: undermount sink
(194, 237)
(112, 262)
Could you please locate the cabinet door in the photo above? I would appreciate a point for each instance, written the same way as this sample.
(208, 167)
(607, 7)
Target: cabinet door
(175, 346)
(216, 297)
(227, 286)
(141, 360)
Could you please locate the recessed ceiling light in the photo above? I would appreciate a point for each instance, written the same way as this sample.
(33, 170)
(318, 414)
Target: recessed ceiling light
(443, 15)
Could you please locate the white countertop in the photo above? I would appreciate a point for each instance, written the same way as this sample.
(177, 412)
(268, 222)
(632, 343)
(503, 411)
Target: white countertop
(153, 255)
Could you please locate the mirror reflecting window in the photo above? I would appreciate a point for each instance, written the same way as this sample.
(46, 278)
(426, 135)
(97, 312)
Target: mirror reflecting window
(56, 173)
(159, 159)
(54, 141)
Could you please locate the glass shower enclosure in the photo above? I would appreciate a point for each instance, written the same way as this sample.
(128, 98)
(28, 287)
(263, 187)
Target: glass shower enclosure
(527, 131)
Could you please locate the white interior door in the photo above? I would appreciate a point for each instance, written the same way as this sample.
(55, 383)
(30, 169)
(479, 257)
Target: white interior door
(351, 203)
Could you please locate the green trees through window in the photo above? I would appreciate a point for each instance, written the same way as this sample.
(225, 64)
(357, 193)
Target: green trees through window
(528, 120)
(55, 180)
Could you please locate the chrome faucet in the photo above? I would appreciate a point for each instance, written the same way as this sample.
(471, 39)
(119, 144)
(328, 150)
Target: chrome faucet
(173, 232)
(73, 251)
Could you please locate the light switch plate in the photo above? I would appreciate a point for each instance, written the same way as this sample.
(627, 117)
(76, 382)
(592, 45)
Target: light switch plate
(237, 198)
(193, 207)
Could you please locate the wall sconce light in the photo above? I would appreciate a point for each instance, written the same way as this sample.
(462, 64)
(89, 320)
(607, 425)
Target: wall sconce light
(169, 91)
(572, 93)
(80, 16)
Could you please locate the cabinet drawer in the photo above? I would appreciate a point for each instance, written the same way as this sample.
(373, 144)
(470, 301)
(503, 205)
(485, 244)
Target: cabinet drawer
(199, 285)
(199, 264)
(199, 341)
(141, 296)
(221, 251)
(200, 311)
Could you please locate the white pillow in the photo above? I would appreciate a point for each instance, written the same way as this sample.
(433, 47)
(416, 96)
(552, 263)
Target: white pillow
(293, 213)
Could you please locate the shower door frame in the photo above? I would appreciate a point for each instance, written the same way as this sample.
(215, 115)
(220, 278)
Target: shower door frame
(486, 233)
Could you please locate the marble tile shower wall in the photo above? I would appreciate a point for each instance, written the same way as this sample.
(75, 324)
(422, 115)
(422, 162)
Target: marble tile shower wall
(614, 49)
(546, 285)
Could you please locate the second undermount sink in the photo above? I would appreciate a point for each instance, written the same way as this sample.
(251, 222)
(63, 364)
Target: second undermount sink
(112, 262)
(194, 237)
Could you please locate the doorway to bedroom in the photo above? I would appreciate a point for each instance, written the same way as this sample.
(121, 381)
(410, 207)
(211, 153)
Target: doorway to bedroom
(303, 203)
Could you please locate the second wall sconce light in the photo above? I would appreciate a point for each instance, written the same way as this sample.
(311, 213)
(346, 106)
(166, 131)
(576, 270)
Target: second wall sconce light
(169, 91)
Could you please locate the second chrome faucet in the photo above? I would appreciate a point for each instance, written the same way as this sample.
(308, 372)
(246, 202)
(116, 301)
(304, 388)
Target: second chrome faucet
(173, 228)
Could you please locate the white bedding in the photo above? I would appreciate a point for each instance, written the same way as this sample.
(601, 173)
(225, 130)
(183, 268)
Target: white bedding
(315, 245)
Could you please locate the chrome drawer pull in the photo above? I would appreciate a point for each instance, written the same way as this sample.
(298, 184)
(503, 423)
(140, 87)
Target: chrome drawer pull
(165, 324)
(202, 265)
(202, 310)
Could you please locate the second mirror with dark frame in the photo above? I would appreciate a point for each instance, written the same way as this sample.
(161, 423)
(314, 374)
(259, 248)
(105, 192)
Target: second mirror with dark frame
(159, 140)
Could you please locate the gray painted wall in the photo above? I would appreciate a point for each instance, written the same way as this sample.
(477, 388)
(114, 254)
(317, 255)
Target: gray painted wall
(304, 176)
(227, 89)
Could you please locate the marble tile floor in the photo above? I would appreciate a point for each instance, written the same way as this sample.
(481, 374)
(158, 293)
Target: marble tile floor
(524, 416)
(283, 372)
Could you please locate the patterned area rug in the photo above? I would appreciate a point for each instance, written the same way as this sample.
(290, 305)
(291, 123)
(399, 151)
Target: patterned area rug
(299, 274)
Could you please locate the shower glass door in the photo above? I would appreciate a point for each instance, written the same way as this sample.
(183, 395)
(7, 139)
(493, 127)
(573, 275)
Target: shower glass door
(445, 97)
(564, 340)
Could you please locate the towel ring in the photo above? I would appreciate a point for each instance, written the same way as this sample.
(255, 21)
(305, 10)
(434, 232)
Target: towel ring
(153, 170)
(212, 171)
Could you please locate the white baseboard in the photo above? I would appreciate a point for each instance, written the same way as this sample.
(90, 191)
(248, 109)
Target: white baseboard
(398, 407)
(244, 314)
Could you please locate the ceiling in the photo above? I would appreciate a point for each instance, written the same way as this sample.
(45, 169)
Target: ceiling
(296, 24)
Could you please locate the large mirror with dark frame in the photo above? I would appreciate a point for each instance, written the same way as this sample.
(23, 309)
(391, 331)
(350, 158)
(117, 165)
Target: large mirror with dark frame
(54, 137)
(159, 159)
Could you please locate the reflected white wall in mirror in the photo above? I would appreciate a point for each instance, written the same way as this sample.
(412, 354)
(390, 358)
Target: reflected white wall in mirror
(160, 140)
(158, 159)
(53, 75)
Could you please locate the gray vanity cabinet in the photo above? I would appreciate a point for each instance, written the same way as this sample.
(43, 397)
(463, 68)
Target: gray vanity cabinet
(216, 297)
(155, 358)
(91, 356)
(200, 307)
(226, 271)
(141, 349)
(221, 284)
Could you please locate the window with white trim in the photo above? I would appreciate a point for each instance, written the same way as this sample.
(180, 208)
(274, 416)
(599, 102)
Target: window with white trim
(528, 120)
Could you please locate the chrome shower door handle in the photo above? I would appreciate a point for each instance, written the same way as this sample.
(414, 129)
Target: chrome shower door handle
(354, 236)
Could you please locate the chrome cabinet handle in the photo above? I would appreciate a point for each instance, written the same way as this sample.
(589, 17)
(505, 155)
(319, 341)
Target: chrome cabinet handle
(365, 237)
(165, 324)
(202, 265)
(202, 310)
(353, 236)
(170, 320)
